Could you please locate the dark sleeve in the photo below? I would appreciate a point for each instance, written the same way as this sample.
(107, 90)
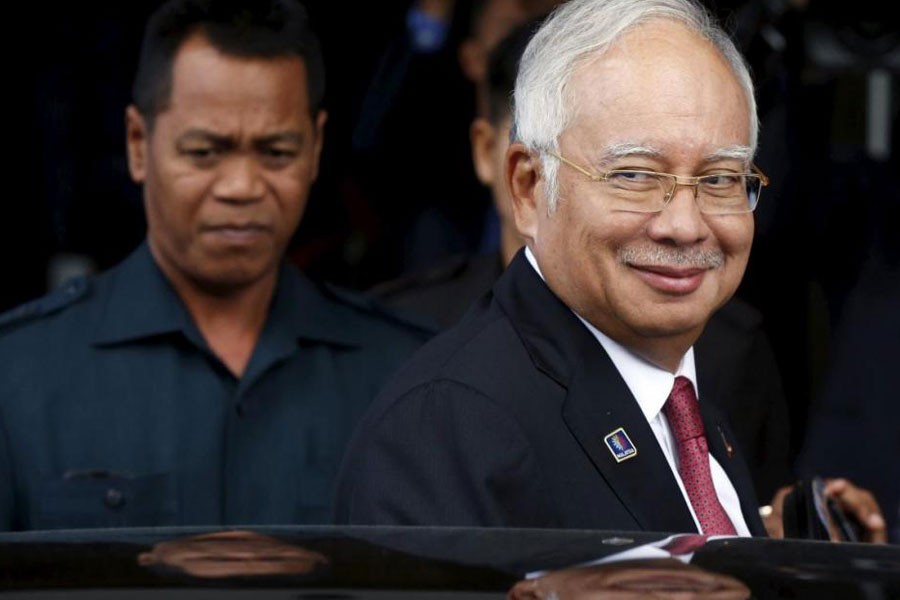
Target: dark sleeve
(441, 454)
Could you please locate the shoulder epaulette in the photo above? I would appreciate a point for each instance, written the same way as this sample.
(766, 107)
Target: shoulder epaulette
(371, 305)
(69, 293)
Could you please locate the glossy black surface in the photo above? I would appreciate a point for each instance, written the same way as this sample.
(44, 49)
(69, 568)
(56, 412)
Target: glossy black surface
(373, 562)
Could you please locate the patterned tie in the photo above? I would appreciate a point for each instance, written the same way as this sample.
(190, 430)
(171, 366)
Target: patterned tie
(683, 413)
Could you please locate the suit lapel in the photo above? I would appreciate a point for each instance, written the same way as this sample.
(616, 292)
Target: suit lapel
(720, 440)
(597, 402)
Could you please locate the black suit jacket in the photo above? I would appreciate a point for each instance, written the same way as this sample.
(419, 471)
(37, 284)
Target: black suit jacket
(737, 365)
(501, 420)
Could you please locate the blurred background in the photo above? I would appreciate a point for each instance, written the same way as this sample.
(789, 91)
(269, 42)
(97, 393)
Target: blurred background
(397, 190)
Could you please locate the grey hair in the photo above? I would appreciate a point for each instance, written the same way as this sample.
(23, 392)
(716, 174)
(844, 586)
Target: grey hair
(577, 29)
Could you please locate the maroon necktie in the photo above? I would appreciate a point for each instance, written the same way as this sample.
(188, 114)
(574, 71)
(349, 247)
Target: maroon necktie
(683, 413)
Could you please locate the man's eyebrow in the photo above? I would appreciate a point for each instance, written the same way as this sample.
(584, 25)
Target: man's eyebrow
(205, 135)
(623, 150)
(626, 149)
(737, 152)
(284, 137)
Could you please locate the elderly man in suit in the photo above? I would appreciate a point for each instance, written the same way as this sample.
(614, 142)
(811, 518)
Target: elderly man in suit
(569, 396)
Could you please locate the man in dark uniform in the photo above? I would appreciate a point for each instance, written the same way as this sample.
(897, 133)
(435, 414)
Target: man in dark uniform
(203, 380)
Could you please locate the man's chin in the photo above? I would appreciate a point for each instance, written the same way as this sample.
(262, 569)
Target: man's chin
(678, 317)
(234, 278)
(671, 321)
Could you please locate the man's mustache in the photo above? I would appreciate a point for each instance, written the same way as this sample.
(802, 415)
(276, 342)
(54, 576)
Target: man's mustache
(662, 256)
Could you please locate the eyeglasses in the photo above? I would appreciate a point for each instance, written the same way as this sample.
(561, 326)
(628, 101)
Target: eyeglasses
(635, 190)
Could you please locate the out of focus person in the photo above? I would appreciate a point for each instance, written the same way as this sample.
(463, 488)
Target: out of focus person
(429, 86)
(203, 380)
(444, 291)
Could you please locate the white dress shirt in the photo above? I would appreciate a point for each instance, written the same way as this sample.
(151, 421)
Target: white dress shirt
(650, 386)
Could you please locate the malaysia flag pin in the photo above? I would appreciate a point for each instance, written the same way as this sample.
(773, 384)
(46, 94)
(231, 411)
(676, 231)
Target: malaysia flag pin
(620, 445)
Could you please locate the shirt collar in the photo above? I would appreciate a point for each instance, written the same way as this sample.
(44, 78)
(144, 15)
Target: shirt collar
(141, 303)
(303, 310)
(650, 385)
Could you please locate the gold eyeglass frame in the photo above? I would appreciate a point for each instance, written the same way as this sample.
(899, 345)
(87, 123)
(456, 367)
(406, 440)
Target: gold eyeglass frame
(691, 181)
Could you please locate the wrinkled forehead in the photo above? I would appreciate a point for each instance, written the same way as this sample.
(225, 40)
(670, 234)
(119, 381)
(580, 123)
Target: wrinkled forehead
(665, 50)
(656, 76)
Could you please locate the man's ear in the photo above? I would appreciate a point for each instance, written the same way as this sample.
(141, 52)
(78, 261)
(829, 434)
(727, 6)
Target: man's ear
(523, 179)
(137, 140)
(319, 130)
(483, 137)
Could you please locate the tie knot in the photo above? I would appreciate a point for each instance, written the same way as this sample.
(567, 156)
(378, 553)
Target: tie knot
(683, 411)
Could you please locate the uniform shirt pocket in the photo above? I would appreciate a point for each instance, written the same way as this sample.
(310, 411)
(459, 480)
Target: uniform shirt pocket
(98, 499)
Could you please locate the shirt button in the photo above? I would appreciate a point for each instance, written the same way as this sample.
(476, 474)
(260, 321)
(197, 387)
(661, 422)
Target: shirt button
(114, 498)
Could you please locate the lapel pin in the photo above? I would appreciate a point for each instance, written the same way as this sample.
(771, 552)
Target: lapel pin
(620, 445)
(729, 449)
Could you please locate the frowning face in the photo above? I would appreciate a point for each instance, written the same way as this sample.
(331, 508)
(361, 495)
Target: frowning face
(227, 166)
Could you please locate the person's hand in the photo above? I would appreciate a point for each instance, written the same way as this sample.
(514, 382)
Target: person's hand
(771, 514)
(858, 504)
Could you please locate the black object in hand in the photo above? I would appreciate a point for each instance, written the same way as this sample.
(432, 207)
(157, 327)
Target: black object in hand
(809, 514)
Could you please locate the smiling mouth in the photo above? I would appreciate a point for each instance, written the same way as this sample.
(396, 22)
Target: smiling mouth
(672, 271)
(671, 280)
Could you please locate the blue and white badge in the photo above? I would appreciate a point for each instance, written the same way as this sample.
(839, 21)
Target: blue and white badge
(620, 445)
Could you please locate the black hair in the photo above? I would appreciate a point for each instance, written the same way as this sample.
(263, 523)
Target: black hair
(245, 28)
(502, 67)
